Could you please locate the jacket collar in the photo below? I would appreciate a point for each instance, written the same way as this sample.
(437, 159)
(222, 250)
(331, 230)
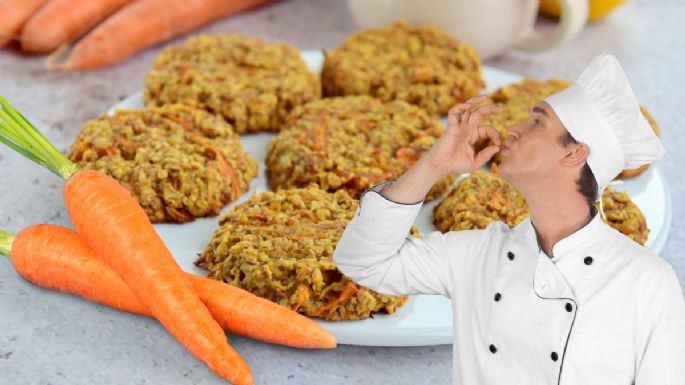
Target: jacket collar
(581, 241)
(578, 242)
(564, 275)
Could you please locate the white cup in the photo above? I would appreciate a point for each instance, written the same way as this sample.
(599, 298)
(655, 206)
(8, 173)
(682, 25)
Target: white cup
(489, 26)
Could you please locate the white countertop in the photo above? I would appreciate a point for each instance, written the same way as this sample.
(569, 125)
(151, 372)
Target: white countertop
(52, 338)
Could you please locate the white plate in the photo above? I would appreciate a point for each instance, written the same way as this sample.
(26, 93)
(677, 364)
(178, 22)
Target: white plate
(424, 319)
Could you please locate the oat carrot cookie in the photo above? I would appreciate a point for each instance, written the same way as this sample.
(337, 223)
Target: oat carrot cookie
(417, 64)
(279, 245)
(351, 143)
(478, 199)
(180, 163)
(624, 215)
(251, 84)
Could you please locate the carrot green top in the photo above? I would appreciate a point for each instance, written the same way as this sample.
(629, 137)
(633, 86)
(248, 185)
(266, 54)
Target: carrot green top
(21, 136)
(6, 240)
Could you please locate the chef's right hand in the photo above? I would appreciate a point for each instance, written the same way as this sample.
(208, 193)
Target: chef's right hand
(454, 151)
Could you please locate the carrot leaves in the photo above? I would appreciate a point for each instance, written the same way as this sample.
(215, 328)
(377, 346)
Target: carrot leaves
(6, 240)
(20, 135)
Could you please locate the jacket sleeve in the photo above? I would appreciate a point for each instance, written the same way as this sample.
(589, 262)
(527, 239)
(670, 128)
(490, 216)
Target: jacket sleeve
(376, 251)
(663, 355)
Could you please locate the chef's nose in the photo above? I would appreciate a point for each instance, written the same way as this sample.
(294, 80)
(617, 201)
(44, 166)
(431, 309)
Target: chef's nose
(514, 131)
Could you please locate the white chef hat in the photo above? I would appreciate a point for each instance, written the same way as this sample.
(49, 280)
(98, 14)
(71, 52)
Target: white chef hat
(600, 109)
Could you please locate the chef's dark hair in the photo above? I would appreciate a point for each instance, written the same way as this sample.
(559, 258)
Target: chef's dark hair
(587, 184)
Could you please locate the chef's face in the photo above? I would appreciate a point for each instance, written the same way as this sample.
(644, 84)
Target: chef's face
(533, 149)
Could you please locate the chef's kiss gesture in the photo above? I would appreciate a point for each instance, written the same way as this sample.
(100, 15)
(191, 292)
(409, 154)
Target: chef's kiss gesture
(453, 153)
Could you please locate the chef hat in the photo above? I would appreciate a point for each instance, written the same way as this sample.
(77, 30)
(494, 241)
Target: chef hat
(601, 110)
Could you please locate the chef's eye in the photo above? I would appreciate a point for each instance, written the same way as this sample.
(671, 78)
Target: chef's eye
(537, 121)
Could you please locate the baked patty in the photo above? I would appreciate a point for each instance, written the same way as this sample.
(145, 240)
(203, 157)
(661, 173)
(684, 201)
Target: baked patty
(478, 199)
(420, 65)
(624, 215)
(279, 245)
(251, 84)
(180, 163)
(351, 143)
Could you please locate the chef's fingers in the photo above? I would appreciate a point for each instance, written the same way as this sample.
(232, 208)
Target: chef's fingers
(484, 155)
(481, 112)
(454, 115)
(489, 132)
(464, 117)
(476, 100)
(474, 114)
(456, 110)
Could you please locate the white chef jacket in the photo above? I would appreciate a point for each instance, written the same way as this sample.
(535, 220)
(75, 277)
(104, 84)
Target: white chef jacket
(603, 310)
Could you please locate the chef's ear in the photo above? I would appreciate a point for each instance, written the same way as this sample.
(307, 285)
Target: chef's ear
(575, 154)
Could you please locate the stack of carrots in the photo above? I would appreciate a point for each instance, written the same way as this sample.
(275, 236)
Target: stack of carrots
(116, 258)
(109, 30)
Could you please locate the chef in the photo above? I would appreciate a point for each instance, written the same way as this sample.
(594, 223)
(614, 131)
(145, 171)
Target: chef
(562, 298)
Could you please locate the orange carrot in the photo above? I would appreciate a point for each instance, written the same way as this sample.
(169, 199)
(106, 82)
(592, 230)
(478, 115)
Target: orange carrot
(145, 23)
(115, 226)
(13, 15)
(60, 21)
(57, 258)
(407, 155)
(268, 321)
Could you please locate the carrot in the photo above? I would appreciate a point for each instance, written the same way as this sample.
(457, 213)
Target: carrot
(228, 170)
(60, 21)
(256, 317)
(115, 226)
(319, 134)
(145, 23)
(57, 258)
(407, 155)
(13, 15)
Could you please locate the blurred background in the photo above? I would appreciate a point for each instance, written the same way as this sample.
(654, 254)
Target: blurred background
(99, 346)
